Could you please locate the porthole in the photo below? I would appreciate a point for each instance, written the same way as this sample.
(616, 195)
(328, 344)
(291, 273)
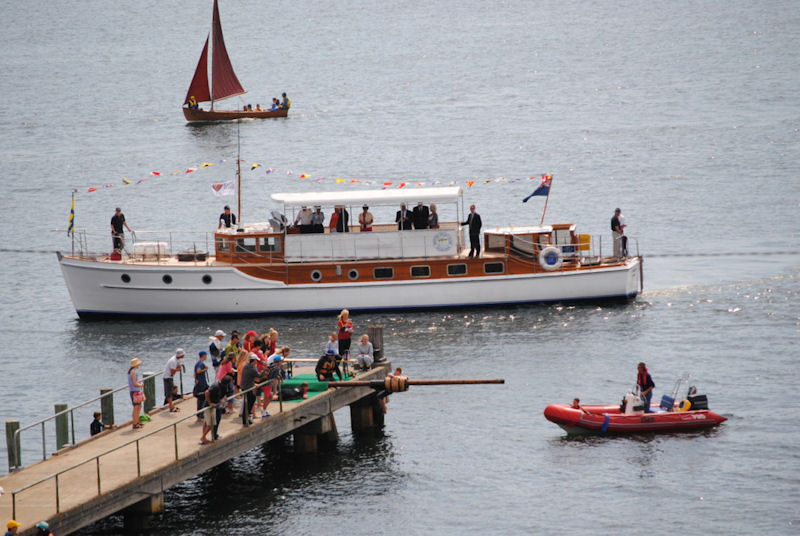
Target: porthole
(316, 275)
(207, 279)
(167, 279)
(125, 278)
(352, 274)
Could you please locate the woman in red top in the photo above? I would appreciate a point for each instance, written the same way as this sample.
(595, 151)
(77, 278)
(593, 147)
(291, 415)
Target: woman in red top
(345, 331)
(249, 340)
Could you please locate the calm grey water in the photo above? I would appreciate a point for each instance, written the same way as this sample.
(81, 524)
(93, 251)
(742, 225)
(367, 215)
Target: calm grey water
(684, 114)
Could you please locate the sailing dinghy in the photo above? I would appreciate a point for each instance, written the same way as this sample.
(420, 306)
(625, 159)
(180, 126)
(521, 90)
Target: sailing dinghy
(218, 83)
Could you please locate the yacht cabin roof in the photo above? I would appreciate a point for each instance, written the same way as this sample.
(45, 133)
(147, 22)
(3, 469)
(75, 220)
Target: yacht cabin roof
(411, 197)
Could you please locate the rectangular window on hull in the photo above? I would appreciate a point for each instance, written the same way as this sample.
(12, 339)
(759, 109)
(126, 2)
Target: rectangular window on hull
(383, 273)
(420, 271)
(493, 268)
(456, 269)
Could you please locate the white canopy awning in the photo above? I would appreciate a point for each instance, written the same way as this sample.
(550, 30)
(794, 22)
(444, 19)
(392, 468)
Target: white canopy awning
(411, 197)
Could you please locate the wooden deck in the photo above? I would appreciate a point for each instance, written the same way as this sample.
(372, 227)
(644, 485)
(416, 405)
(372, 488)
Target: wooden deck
(119, 468)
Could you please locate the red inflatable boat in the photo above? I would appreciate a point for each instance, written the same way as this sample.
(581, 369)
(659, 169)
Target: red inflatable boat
(691, 413)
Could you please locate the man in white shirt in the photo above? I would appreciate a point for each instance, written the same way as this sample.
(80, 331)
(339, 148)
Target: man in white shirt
(173, 366)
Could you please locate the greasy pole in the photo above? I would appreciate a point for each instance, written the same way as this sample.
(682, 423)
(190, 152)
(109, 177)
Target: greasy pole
(396, 384)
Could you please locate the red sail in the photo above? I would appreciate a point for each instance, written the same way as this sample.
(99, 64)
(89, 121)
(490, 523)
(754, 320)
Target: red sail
(199, 86)
(223, 80)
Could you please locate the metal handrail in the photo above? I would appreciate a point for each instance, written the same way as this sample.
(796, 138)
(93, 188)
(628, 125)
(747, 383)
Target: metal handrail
(97, 457)
(18, 432)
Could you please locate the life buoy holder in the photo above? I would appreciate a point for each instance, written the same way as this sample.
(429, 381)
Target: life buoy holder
(551, 258)
(684, 405)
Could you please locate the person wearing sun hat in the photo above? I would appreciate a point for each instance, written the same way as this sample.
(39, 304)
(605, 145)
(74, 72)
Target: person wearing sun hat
(216, 347)
(136, 389)
(12, 527)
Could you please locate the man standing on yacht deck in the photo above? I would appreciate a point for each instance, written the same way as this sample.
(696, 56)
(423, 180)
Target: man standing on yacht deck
(117, 231)
(618, 233)
(227, 218)
(474, 223)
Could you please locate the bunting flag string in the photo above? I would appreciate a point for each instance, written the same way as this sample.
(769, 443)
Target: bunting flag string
(468, 183)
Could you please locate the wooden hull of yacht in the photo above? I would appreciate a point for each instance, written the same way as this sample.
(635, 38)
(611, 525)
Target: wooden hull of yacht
(101, 288)
(228, 115)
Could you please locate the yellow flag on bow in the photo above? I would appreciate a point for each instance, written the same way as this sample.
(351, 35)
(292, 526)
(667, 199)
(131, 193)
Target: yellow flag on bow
(71, 224)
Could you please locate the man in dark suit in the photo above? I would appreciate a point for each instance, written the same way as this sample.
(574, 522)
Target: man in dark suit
(474, 222)
(420, 216)
(403, 218)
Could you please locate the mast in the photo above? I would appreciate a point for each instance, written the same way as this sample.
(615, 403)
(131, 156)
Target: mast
(238, 175)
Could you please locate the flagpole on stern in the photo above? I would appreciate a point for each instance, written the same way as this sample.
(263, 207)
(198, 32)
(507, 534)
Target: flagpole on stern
(238, 176)
(71, 227)
(544, 210)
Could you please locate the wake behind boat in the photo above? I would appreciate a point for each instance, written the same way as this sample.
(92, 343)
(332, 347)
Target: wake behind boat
(214, 80)
(274, 268)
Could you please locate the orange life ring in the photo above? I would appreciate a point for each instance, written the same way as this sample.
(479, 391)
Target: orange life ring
(684, 405)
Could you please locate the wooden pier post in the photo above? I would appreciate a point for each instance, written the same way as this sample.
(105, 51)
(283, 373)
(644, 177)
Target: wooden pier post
(62, 426)
(149, 392)
(14, 450)
(366, 413)
(306, 438)
(137, 516)
(107, 406)
(376, 338)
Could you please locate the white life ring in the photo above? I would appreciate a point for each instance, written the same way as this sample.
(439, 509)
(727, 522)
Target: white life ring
(551, 258)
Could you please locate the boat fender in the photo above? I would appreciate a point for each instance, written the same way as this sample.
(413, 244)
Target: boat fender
(551, 258)
(606, 420)
(685, 405)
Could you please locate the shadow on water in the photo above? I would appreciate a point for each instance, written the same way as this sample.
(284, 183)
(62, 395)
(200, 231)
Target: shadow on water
(258, 489)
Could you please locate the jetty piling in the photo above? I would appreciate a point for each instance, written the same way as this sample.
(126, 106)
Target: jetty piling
(13, 444)
(107, 405)
(62, 426)
(149, 392)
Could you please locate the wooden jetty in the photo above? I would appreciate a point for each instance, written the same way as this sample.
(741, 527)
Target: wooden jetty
(126, 470)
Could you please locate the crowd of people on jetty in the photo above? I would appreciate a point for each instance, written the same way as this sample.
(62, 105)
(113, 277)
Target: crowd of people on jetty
(246, 373)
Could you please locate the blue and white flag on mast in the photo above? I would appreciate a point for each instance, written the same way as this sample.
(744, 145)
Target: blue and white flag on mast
(544, 187)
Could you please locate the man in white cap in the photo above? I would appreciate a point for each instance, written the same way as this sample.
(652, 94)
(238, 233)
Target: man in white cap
(215, 349)
(317, 220)
(170, 391)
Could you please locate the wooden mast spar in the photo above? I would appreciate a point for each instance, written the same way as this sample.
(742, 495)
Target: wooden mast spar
(398, 384)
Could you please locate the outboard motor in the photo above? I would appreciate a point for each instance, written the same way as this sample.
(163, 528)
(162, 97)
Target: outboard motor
(631, 404)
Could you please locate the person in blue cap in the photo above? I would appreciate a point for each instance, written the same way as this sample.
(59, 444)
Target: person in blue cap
(200, 381)
(326, 366)
(44, 529)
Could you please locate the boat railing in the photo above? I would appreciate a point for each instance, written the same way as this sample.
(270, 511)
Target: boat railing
(587, 250)
(145, 245)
